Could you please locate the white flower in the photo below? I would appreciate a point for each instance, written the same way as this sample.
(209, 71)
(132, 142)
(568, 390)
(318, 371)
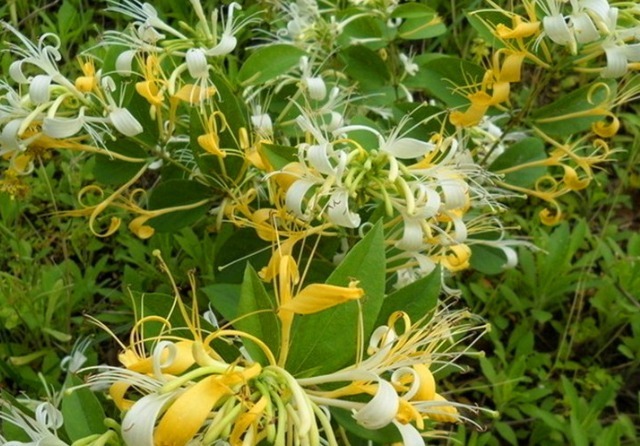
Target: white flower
(125, 122)
(410, 67)
(197, 65)
(61, 128)
(338, 210)
(140, 421)
(228, 40)
(40, 430)
(618, 58)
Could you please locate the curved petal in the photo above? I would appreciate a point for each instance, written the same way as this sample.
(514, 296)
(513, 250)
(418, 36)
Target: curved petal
(124, 122)
(338, 210)
(410, 435)
(406, 148)
(295, 196)
(455, 193)
(584, 28)
(318, 157)
(381, 409)
(124, 62)
(139, 422)
(616, 61)
(412, 235)
(427, 201)
(557, 29)
(61, 128)
(316, 87)
(197, 64)
(39, 89)
(227, 44)
(9, 137)
(320, 296)
(15, 71)
(398, 378)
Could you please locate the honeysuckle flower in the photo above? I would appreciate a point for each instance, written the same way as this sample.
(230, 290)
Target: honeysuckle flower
(210, 140)
(76, 359)
(228, 40)
(44, 56)
(125, 122)
(410, 67)
(41, 429)
(619, 55)
(146, 19)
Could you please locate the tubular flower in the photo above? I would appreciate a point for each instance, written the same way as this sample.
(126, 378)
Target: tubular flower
(167, 401)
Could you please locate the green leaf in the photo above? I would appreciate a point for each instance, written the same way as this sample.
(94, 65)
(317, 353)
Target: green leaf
(362, 29)
(256, 315)
(448, 77)
(268, 62)
(178, 193)
(416, 299)
(413, 10)
(521, 153)
(422, 28)
(82, 412)
(279, 156)
(224, 297)
(366, 67)
(487, 259)
(326, 341)
(559, 118)
(112, 171)
(506, 432)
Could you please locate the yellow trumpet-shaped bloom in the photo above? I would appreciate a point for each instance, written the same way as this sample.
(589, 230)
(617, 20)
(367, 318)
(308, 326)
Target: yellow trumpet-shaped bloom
(210, 140)
(88, 81)
(184, 418)
(318, 297)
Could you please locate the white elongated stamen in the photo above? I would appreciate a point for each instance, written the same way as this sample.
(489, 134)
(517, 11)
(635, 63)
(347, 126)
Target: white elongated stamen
(139, 422)
(39, 92)
(295, 196)
(124, 122)
(338, 210)
(381, 409)
(61, 128)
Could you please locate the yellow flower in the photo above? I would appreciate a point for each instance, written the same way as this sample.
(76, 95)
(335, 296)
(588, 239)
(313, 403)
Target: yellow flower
(210, 141)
